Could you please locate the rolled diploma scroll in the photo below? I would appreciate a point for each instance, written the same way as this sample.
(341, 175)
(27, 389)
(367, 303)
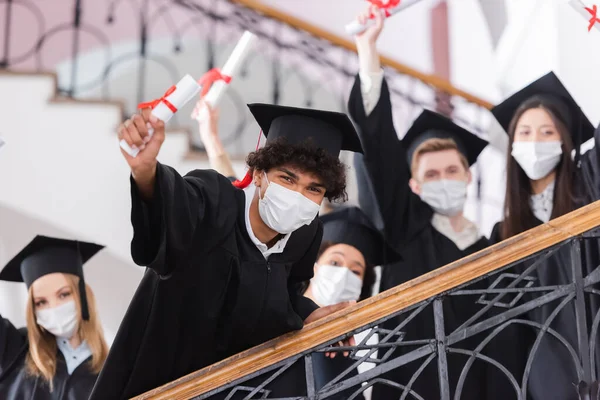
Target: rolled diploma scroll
(580, 8)
(231, 68)
(355, 28)
(185, 90)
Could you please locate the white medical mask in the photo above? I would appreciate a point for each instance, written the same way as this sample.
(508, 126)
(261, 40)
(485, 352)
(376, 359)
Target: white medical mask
(537, 159)
(332, 285)
(285, 210)
(445, 196)
(60, 321)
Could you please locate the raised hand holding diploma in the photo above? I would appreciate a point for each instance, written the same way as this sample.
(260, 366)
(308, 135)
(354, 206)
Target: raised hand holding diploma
(388, 9)
(146, 132)
(165, 107)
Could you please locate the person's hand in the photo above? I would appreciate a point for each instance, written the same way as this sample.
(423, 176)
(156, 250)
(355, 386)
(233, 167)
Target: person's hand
(208, 120)
(322, 312)
(135, 132)
(369, 37)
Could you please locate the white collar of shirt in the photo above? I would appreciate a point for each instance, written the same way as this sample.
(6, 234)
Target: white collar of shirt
(266, 252)
(73, 357)
(463, 239)
(542, 203)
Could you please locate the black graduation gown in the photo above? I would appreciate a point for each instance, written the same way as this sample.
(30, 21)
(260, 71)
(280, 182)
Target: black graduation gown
(16, 384)
(292, 382)
(326, 369)
(409, 230)
(208, 292)
(553, 373)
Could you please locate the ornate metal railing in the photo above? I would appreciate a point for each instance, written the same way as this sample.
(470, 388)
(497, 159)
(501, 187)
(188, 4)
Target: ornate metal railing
(500, 281)
(133, 49)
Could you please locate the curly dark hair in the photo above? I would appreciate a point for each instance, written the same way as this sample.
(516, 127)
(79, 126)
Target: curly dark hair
(307, 158)
(368, 280)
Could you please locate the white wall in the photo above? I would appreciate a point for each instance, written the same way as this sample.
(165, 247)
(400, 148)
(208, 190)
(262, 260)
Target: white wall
(62, 174)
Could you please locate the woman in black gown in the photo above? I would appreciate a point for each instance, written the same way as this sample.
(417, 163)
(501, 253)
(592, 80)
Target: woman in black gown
(544, 181)
(60, 353)
(344, 271)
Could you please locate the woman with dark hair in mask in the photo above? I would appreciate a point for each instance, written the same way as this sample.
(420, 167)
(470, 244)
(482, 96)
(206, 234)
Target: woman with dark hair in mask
(547, 177)
(345, 271)
(60, 353)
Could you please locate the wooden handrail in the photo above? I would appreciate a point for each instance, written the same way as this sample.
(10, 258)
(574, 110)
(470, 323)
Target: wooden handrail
(386, 303)
(298, 23)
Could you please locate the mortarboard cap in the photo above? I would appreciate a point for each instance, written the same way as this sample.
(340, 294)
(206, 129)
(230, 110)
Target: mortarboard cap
(331, 131)
(430, 125)
(45, 255)
(550, 89)
(352, 227)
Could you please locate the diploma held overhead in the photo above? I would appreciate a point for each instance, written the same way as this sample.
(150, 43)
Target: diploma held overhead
(179, 95)
(231, 68)
(390, 8)
(165, 107)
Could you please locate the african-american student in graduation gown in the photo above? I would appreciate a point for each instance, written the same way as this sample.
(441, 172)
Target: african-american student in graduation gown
(544, 181)
(226, 267)
(59, 354)
(419, 184)
(344, 271)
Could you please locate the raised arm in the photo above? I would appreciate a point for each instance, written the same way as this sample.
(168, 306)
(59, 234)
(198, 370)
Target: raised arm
(169, 210)
(590, 167)
(208, 125)
(403, 212)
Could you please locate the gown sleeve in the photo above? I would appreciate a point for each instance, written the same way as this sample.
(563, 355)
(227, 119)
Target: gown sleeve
(182, 207)
(12, 343)
(385, 159)
(301, 274)
(590, 169)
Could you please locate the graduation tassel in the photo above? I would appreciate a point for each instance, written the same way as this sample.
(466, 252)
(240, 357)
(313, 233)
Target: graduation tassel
(244, 183)
(578, 140)
(85, 312)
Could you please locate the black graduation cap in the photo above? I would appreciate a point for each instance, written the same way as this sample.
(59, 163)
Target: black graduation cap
(351, 226)
(551, 89)
(430, 125)
(329, 130)
(45, 255)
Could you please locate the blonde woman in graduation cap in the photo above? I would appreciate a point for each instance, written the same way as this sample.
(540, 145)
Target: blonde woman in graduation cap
(548, 177)
(62, 350)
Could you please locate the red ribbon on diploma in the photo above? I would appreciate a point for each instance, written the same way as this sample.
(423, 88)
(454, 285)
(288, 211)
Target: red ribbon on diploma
(163, 99)
(385, 7)
(593, 11)
(211, 77)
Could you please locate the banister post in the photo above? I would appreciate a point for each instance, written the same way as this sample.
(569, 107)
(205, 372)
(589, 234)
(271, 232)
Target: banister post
(310, 377)
(580, 314)
(440, 337)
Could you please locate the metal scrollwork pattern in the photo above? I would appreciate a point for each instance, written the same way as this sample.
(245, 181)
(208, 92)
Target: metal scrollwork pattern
(508, 298)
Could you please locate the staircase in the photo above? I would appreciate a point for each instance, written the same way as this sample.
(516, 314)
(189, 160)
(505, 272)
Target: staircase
(495, 264)
(72, 138)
